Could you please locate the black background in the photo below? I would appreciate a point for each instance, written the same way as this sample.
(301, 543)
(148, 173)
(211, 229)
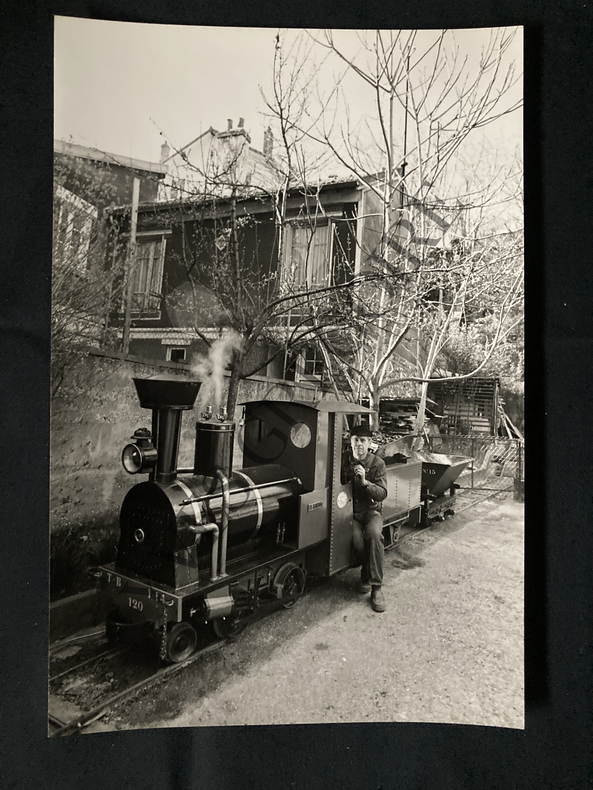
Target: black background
(554, 750)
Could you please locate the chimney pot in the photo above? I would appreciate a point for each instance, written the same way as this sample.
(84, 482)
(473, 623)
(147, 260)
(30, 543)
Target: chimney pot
(241, 122)
(165, 151)
(230, 123)
(268, 143)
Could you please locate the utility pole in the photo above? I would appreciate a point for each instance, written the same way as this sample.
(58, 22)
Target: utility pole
(131, 267)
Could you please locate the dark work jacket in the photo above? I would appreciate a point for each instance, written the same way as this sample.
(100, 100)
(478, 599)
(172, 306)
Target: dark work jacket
(371, 496)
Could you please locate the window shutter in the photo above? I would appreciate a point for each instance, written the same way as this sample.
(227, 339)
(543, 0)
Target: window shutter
(309, 258)
(148, 275)
(142, 266)
(156, 282)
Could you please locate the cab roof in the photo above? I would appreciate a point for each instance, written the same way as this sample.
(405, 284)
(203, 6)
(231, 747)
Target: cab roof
(324, 405)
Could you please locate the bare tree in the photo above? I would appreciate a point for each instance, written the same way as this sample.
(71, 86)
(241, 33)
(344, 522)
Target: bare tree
(490, 336)
(82, 288)
(422, 184)
(470, 293)
(430, 101)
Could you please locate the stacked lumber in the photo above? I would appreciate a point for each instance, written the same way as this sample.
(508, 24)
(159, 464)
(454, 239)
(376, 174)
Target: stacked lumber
(397, 416)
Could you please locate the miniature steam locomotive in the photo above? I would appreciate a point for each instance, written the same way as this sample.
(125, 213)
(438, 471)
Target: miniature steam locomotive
(209, 544)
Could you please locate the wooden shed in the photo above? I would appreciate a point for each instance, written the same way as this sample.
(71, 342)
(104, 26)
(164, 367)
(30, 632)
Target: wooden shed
(467, 406)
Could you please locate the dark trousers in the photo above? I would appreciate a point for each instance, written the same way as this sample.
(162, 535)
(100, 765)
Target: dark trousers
(367, 545)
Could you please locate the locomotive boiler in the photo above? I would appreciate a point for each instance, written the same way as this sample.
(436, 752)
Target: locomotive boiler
(213, 544)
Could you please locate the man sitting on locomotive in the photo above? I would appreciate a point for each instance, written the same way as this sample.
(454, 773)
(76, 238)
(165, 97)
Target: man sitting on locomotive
(368, 475)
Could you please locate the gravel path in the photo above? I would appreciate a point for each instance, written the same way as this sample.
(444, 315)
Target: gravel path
(449, 648)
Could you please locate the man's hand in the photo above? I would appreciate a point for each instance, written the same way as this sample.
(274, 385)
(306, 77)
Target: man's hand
(360, 475)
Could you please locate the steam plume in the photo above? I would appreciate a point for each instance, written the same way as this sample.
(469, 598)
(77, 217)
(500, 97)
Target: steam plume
(210, 369)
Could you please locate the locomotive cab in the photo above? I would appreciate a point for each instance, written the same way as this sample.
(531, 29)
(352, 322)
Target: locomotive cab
(308, 437)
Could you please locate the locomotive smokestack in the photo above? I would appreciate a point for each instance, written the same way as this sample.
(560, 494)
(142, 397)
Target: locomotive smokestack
(167, 397)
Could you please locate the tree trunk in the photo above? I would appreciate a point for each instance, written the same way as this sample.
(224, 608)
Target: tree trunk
(374, 401)
(234, 383)
(236, 256)
(420, 417)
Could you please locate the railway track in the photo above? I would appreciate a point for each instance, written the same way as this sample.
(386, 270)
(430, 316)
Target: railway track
(77, 667)
(59, 727)
(64, 717)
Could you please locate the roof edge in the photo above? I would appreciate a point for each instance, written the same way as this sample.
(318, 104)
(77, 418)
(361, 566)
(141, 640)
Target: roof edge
(96, 155)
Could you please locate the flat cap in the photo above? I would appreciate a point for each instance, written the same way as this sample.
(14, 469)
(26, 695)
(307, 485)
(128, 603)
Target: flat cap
(361, 430)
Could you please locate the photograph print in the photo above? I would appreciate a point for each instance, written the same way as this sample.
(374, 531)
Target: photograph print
(287, 453)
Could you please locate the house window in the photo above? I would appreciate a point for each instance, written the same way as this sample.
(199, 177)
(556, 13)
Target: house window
(147, 279)
(312, 364)
(304, 365)
(176, 354)
(309, 256)
(73, 225)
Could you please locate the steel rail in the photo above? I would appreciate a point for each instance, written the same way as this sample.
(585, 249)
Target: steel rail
(55, 721)
(60, 644)
(78, 724)
(104, 654)
(494, 492)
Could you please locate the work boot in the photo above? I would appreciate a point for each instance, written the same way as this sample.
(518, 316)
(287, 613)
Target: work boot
(377, 600)
(363, 587)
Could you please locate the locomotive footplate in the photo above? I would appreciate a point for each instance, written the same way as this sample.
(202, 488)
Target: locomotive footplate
(138, 601)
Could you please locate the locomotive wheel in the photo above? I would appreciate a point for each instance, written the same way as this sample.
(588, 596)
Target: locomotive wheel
(289, 580)
(181, 642)
(225, 627)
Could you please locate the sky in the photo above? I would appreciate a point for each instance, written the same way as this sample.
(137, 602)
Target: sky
(126, 88)
(121, 86)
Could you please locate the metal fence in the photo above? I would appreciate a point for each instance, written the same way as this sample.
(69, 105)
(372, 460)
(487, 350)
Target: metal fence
(495, 459)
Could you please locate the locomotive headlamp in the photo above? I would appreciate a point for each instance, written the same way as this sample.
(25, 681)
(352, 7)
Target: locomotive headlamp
(141, 456)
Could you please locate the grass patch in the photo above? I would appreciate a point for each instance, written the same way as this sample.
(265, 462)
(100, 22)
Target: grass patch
(76, 548)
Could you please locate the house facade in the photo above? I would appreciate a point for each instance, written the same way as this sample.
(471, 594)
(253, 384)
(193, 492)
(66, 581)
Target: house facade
(105, 179)
(213, 162)
(87, 184)
(183, 250)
